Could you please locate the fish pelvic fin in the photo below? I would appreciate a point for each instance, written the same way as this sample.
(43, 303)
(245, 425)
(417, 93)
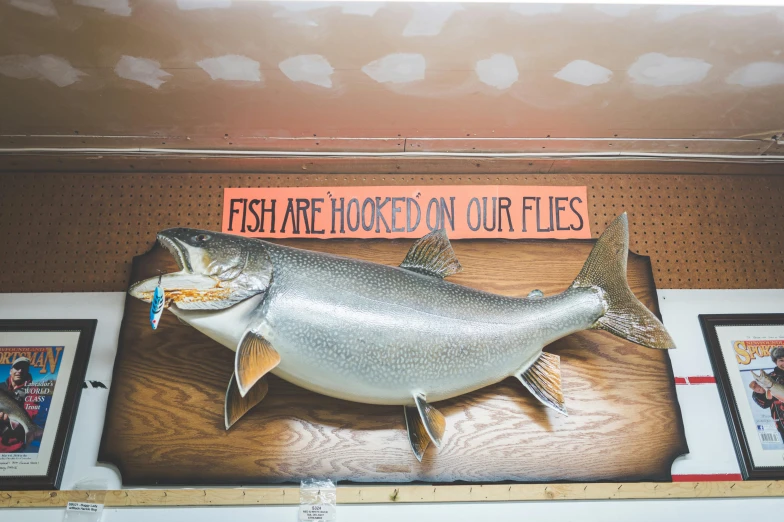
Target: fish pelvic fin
(543, 380)
(417, 435)
(432, 419)
(625, 315)
(254, 359)
(432, 255)
(236, 405)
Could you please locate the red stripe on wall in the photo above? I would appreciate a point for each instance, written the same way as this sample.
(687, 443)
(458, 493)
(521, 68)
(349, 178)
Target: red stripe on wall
(697, 379)
(712, 477)
(702, 379)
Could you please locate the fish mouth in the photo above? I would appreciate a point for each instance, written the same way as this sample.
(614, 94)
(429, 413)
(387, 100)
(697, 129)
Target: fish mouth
(211, 286)
(184, 287)
(176, 250)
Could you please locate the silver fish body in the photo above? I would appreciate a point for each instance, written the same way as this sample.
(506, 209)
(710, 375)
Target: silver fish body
(378, 334)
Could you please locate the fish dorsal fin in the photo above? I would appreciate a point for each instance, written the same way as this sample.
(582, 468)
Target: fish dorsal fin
(543, 380)
(417, 435)
(432, 419)
(255, 357)
(432, 255)
(235, 405)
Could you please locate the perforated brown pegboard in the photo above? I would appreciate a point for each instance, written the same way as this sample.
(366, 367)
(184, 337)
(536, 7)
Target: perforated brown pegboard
(79, 232)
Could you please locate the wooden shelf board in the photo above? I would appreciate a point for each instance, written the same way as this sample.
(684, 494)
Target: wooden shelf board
(386, 494)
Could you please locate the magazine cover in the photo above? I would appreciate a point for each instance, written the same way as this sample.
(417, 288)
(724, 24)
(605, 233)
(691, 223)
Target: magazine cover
(767, 409)
(30, 376)
(754, 358)
(35, 369)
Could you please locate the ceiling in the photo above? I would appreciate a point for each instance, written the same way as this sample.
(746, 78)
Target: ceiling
(391, 77)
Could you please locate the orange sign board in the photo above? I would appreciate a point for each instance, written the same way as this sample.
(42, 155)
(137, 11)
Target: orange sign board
(465, 211)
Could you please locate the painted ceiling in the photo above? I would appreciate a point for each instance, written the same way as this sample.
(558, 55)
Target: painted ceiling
(203, 72)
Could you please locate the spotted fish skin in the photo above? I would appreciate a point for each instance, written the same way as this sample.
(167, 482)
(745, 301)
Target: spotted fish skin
(373, 333)
(380, 334)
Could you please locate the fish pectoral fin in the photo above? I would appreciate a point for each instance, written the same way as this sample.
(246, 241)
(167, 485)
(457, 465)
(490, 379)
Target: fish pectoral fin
(236, 405)
(432, 419)
(417, 435)
(535, 294)
(254, 359)
(432, 255)
(543, 380)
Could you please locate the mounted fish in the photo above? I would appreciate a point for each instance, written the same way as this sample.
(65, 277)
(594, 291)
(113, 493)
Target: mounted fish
(379, 334)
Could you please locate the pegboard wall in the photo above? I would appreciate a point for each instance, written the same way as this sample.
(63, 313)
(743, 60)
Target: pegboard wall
(80, 232)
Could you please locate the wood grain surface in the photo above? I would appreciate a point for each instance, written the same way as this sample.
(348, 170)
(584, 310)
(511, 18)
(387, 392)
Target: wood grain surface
(164, 423)
(390, 494)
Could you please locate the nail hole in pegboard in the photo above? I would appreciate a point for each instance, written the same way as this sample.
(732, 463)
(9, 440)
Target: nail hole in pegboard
(67, 232)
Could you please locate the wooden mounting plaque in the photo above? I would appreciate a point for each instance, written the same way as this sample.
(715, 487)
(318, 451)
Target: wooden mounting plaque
(164, 423)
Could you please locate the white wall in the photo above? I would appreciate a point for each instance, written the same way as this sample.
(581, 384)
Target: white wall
(107, 308)
(706, 429)
(710, 445)
(593, 511)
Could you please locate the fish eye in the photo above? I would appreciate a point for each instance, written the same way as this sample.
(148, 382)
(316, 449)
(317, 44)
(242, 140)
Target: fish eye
(201, 238)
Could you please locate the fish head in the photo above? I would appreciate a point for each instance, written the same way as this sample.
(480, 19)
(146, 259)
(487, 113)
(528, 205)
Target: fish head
(216, 270)
(763, 379)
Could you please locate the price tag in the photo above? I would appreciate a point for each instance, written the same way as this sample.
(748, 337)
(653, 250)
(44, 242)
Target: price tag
(317, 513)
(317, 500)
(84, 507)
(83, 512)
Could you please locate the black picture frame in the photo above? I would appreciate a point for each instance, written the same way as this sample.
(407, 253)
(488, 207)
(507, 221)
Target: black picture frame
(709, 324)
(86, 328)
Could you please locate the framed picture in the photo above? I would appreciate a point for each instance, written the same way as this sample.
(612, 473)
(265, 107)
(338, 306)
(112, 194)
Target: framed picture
(42, 368)
(747, 353)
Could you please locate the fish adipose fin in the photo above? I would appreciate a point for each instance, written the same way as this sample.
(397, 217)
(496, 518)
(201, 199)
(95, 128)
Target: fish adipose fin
(254, 359)
(543, 380)
(432, 255)
(236, 405)
(417, 434)
(605, 269)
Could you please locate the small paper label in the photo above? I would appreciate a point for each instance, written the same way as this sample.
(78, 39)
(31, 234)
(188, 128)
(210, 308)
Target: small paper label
(84, 507)
(317, 512)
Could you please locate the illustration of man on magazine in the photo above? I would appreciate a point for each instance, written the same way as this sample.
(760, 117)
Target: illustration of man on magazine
(765, 399)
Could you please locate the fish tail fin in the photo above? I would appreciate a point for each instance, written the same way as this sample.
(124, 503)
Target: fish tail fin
(36, 432)
(625, 315)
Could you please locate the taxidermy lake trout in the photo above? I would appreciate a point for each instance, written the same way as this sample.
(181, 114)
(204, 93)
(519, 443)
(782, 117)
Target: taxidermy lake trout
(378, 334)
